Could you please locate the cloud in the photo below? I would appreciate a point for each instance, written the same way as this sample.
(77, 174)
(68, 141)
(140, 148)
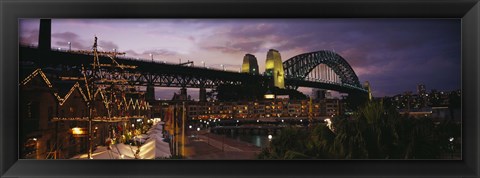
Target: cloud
(132, 53)
(29, 37)
(69, 36)
(223, 49)
(107, 45)
(251, 31)
(61, 39)
(393, 54)
(160, 52)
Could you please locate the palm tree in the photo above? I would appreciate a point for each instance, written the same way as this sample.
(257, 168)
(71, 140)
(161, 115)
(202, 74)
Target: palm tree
(319, 145)
(289, 144)
(373, 132)
(349, 140)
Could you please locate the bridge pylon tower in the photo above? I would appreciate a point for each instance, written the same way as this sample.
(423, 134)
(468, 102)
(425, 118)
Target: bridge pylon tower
(367, 87)
(274, 68)
(250, 64)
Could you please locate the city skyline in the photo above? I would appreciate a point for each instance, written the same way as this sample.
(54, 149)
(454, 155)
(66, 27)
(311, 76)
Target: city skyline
(394, 55)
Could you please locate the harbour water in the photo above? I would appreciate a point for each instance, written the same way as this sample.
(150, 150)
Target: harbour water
(257, 140)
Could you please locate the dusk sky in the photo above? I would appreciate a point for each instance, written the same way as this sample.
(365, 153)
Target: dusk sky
(394, 55)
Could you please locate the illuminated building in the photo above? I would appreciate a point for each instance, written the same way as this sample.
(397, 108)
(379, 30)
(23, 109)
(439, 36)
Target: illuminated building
(263, 109)
(421, 89)
(250, 64)
(50, 109)
(274, 68)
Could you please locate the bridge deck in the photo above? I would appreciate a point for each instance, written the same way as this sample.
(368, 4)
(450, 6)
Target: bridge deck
(183, 74)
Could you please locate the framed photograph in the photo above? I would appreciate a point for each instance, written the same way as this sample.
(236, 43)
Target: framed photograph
(234, 89)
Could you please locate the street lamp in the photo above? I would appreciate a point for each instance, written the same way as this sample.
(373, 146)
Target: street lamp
(223, 67)
(451, 146)
(151, 55)
(69, 46)
(203, 62)
(270, 137)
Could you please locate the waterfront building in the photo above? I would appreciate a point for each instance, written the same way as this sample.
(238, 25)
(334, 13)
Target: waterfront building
(263, 109)
(53, 110)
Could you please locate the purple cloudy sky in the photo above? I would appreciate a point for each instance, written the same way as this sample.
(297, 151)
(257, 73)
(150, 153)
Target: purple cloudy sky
(394, 55)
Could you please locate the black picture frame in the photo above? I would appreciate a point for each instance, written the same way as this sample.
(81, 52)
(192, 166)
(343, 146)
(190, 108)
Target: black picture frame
(467, 10)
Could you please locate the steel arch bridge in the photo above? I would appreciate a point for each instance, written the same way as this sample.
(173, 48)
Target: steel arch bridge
(299, 67)
(159, 74)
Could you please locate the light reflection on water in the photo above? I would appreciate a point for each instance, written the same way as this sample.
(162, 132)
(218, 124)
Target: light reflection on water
(257, 140)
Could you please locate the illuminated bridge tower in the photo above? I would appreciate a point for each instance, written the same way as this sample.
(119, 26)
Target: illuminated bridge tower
(250, 64)
(274, 68)
(367, 86)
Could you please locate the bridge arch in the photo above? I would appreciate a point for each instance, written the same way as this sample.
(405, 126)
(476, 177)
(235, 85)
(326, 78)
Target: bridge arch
(298, 67)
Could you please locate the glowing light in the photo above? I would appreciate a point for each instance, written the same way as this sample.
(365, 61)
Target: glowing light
(198, 128)
(451, 139)
(77, 131)
(269, 96)
(270, 137)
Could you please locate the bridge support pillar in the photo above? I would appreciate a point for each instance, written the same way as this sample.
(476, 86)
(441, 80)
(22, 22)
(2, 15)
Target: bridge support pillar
(150, 95)
(203, 94)
(44, 39)
(183, 93)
